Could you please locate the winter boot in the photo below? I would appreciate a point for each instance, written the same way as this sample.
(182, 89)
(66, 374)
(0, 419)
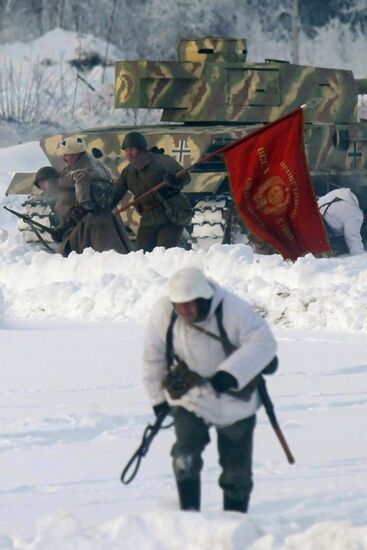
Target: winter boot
(229, 504)
(189, 494)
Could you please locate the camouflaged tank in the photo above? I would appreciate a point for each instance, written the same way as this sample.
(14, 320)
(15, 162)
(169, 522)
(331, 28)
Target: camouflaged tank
(211, 96)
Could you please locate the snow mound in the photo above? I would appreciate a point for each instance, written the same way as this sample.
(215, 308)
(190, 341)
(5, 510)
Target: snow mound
(110, 286)
(185, 531)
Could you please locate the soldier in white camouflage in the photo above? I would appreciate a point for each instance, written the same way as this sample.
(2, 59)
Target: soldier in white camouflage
(204, 349)
(164, 213)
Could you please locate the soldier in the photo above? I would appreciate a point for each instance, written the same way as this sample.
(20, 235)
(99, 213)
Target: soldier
(164, 213)
(40, 207)
(343, 217)
(46, 179)
(195, 326)
(84, 203)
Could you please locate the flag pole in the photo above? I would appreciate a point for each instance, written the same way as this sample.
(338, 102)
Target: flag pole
(207, 157)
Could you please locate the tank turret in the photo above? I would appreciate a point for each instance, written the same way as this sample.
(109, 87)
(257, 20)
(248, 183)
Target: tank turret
(212, 83)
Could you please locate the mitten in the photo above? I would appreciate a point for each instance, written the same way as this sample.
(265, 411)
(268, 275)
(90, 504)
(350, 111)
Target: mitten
(222, 381)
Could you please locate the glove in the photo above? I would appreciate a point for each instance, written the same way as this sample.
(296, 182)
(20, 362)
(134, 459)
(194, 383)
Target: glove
(173, 181)
(161, 408)
(58, 233)
(222, 381)
(91, 206)
(75, 215)
(272, 366)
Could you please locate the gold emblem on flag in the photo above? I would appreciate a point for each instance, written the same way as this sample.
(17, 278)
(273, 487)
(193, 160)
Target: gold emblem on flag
(273, 196)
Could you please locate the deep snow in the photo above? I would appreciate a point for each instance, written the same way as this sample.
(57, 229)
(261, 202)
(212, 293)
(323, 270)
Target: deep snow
(73, 409)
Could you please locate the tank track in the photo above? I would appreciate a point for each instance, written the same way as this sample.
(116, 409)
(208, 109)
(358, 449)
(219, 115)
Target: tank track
(215, 222)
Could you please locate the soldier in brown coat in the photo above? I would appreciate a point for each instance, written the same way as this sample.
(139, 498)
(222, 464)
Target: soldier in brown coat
(83, 204)
(165, 213)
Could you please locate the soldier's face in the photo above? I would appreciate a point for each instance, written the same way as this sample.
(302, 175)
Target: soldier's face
(70, 160)
(48, 186)
(188, 311)
(131, 153)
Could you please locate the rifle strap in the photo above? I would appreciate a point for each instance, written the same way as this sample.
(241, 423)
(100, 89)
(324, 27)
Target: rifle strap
(228, 347)
(328, 204)
(33, 228)
(170, 354)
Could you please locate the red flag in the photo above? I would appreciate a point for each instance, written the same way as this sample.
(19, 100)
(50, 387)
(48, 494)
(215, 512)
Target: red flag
(272, 189)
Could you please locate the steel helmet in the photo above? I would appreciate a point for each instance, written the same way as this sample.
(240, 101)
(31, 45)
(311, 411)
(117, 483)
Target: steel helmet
(73, 145)
(188, 284)
(45, 173)
(135, 139)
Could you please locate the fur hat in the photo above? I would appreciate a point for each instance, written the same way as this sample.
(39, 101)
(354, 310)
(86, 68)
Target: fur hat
(73, 145)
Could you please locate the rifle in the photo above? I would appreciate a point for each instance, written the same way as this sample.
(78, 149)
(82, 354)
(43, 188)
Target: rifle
(34, 226)
(148, 435)
(269, 409)
(261, 386)
(27, 219)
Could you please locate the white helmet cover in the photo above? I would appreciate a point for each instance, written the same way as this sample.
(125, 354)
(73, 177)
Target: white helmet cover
(188, 284)
(72, 145)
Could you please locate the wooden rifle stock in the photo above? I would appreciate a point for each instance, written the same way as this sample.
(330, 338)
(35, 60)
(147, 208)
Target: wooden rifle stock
(269, 409)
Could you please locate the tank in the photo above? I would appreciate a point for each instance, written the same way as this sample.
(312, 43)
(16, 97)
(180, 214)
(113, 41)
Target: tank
(211, 96)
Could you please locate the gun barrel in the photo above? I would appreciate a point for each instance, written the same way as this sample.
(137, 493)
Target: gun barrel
(29, 220)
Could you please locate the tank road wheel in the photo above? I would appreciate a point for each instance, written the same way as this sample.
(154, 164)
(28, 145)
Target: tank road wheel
(215, 221)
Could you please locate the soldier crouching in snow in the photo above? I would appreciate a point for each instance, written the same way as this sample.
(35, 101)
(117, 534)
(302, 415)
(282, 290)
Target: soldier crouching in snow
(343, 213)
(204, 348)
(84, 202)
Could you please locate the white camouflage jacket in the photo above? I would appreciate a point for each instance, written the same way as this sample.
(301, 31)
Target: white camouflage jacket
(204, 355)
(344, 217)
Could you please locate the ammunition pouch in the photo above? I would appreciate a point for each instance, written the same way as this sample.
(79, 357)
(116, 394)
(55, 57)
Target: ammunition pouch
(180, 379)
(178, 212)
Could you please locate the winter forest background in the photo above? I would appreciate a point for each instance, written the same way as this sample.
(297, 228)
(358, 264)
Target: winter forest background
(126, 22)
(57, 57)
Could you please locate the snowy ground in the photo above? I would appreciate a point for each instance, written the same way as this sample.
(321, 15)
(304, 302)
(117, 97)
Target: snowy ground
(73, 409)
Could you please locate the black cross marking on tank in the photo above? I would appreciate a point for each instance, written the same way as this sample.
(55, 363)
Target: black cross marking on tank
(356, 154)
(181, 151)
